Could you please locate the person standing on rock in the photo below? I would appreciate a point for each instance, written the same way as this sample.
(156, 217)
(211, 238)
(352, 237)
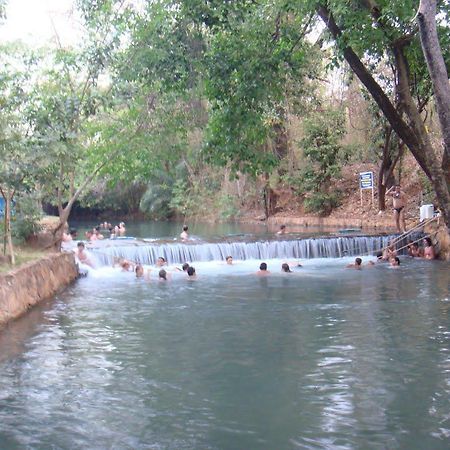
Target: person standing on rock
(399, 200)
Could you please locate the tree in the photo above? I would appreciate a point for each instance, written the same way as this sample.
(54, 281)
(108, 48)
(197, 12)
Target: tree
(64, 99)
(371, 31)
(426, 16)
(259, 68)
(161, 88)
(324, 156)
(20, 159)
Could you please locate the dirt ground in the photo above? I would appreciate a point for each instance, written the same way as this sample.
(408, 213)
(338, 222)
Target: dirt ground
(289, 205)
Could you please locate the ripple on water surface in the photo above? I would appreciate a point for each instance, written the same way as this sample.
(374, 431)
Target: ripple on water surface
(321, 358)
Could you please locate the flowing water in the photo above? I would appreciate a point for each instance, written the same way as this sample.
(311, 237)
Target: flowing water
(321, 358)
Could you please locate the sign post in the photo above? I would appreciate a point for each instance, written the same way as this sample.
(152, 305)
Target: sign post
(366, 182)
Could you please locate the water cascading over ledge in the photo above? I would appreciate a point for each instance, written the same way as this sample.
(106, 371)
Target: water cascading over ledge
(177, 253)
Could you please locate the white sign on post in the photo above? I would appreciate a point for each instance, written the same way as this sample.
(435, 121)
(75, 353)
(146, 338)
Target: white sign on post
(366, 182)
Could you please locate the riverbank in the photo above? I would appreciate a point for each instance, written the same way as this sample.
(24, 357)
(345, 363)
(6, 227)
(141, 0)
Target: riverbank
(22, 288)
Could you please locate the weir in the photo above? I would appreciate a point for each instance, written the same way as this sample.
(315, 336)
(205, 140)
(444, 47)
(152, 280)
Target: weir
(177, 253)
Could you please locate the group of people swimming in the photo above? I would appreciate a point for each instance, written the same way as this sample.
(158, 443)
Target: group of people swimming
(114, 231)
(389, 254)
(164, 272)
(95, 234)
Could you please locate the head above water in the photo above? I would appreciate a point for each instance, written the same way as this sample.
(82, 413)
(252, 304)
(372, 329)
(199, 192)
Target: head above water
(139, 270)
(185, 267)
(229, 259)
(160, 261)
(395, 261)
(191, 271)
(427, 242)
(263, 266)
(162, 274)
(185, 228)
(285, 267)
(125, 264)
(358, 261)
(81, 245)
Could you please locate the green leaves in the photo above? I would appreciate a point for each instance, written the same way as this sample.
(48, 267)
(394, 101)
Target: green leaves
(322, 149)
(252, 64)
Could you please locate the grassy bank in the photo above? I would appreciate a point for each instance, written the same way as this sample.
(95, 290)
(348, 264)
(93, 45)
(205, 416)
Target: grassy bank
(23, 255)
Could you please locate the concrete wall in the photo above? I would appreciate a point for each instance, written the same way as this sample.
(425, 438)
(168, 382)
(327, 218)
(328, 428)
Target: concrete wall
(22, 288)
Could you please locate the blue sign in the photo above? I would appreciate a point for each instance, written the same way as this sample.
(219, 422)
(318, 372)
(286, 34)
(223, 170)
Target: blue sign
(366, 180)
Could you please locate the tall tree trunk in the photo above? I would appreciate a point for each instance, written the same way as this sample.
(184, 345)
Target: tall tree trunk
(281, 135)
(64, 212)
(4, 226)
(269, 197)
(438, 72)
(436, 172)
(386, 168)
(385, 175)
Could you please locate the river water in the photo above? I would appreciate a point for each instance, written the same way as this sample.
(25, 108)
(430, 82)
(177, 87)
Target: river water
(320, 358)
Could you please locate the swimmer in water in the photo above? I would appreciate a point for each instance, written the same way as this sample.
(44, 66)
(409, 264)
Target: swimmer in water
(229, 260)
(122, 229)
(356, 265)
(413, 249)
(161, 262)
(125, 265)
(90, 236)
(67, 237)
(191, 273)
(390, 251)
(282, 230)
(139, 271)
(163, 275)
(82, 255)
(184, 234)
(395, 261)
(263, 270)
(428, 249)
(97, 233)
(184, 268)
(285, 268)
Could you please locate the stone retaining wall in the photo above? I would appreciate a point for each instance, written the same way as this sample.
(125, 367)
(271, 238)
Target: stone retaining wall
(22, 288)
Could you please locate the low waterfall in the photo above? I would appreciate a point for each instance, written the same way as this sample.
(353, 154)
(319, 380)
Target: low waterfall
(178, 253)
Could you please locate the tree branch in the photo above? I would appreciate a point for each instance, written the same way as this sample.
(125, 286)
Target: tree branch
(403, 130)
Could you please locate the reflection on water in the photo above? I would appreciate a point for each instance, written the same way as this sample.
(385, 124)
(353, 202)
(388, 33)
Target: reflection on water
(169, 230)
(324, 357)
